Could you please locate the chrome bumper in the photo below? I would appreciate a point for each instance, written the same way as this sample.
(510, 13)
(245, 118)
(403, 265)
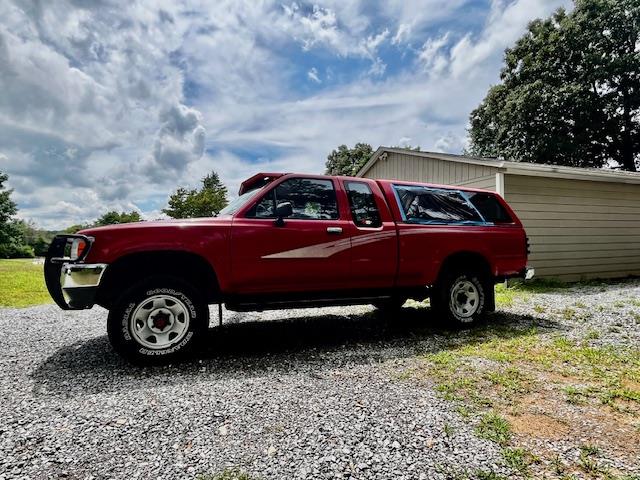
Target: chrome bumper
(81, 275)
(79, 283)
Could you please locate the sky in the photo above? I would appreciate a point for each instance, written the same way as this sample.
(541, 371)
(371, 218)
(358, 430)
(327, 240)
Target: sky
(108, 104)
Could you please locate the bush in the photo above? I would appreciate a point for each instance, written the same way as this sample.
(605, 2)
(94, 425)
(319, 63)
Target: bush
(16, 251)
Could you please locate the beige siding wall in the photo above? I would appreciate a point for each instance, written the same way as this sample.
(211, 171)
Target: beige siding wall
(488, 183)
(578, 229)
(420, 169)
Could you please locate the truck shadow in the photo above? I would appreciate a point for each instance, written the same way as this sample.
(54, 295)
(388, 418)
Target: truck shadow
(308, 344)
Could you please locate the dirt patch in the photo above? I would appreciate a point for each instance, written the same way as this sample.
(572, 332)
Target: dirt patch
(545, 415)
(540, 426)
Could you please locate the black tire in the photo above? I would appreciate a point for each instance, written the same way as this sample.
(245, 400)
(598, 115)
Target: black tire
(163, 308)
(461, 296)
(392, 304)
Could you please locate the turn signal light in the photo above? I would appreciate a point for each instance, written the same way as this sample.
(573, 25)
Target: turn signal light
(78, 246)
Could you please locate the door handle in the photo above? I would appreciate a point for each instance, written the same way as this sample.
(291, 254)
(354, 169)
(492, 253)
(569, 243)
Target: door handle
(334, 230)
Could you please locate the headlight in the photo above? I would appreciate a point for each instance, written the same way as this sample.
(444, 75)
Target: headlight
(76, 248)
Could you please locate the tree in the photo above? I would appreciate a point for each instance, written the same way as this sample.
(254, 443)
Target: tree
(569, 91)
(206, 202)
(12, 242)
(113, 217)
(348, 161)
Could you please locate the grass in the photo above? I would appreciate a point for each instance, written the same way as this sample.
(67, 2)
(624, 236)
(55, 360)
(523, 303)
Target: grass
(519, 459)
(522, 291)
(226, 474)
(495, 428)
(22, 284)
(494, 372)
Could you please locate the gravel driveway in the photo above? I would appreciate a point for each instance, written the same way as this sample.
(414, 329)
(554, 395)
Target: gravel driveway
(300, 394)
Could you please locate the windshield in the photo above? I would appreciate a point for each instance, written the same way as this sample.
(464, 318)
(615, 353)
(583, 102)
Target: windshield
(237, 203)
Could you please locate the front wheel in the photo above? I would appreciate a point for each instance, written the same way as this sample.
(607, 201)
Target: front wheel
(157, 320)
(461, 296)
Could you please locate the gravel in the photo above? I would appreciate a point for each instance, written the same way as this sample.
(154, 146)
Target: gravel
(298, 394)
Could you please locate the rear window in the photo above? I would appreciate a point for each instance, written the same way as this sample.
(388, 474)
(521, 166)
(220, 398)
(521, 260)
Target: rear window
(431, 205)
(489, 207)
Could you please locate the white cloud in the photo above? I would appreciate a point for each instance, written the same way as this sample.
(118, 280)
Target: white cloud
(313, 75)
(378, 67)
(506, 22)
(114, 105)
(402, 34)
(432, 56)
(450, 143)
(179, 141)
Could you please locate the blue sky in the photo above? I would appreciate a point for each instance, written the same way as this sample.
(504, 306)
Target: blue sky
(110, 104)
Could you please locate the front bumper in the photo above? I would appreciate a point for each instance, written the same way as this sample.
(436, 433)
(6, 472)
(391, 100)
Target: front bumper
(80, 282)
(73, 285)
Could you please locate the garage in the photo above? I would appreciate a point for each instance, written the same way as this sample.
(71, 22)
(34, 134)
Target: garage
(582, 223)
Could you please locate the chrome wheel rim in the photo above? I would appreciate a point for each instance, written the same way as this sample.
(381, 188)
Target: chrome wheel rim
(465, 298)
(159, 322)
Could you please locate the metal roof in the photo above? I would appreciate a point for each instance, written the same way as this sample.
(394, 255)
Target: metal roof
(515, 168)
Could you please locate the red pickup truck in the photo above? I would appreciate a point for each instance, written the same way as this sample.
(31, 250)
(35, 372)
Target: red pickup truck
(291, 240)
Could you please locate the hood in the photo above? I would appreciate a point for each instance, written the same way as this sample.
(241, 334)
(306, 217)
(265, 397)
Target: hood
(162, 224)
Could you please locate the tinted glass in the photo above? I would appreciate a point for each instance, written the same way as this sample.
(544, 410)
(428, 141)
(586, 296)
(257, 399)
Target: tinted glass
(423, 204)
(489, 207)
(311, 199)
(363, 205)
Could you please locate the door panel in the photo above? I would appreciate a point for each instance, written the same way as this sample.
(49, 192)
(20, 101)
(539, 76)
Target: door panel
(299, 256)
(374, 244)
(310, 251)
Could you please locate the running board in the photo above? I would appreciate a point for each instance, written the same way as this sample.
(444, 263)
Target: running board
(311, 303)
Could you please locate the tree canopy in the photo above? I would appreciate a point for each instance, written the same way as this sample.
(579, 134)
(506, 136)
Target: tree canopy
(110, 218)
(113, 217)
(569, 91)
(348, 161)
(12, 241)
(204, 202)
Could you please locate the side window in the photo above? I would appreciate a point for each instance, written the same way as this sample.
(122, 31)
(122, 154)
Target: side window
(310, 198)
(431, 205)
(265, 208)
(363, 205)
(489, 207)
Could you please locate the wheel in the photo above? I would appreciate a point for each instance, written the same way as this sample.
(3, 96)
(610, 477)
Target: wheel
(158, 320)
(461, 296)
(391, 304)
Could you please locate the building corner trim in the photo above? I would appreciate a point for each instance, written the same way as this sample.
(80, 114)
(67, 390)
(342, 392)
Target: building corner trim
(500, 183)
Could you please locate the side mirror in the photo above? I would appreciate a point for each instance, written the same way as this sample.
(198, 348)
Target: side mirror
(283, 210)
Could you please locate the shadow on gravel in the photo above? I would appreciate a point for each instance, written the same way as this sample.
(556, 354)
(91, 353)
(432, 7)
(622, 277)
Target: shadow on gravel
(305, 344)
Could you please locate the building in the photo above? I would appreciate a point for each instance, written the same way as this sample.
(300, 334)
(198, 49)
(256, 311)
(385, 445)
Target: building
(582, 222)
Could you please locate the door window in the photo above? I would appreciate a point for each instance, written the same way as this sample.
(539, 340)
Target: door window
(311, 199)
(363, 205)
(432, 205)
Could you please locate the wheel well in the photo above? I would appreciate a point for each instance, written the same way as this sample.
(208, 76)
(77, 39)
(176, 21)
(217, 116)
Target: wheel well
(132, 268)
(466, 260)
(477, 261)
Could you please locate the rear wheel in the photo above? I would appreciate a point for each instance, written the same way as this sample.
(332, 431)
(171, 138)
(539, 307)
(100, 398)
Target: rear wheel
(461, 296)
(157, 320)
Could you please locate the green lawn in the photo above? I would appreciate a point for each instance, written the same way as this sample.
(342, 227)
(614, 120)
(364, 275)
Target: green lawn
(22, 284)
